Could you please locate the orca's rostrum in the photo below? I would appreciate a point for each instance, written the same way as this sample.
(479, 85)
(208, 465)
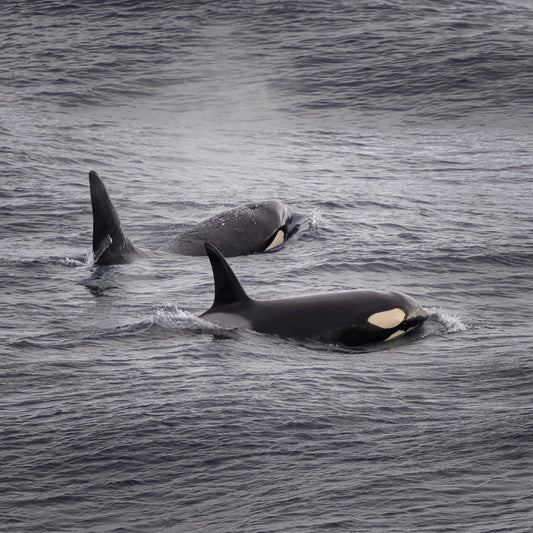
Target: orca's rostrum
(351, 318)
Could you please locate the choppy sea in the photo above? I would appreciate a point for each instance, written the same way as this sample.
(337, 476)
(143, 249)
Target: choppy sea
(402, 130)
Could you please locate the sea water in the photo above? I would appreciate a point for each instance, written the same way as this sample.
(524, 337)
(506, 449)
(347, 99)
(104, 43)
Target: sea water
(401, 131)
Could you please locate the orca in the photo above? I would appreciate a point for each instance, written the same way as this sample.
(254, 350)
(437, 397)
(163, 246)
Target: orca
(247, 229)
(350, 318)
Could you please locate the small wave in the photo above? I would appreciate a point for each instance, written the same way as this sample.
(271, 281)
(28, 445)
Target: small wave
(164, 322)
(316, 218)
(69, 261)
(458, 258)
(26, 344)
(448, 322)
(172, 317)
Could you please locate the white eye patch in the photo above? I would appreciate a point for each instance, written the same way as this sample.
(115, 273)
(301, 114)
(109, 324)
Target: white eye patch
(387, 319)
(277, 240)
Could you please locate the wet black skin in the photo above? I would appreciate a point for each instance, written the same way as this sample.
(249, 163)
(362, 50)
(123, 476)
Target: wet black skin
(338, 317)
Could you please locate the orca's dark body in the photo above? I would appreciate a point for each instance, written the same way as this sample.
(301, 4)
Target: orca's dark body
(352, 318)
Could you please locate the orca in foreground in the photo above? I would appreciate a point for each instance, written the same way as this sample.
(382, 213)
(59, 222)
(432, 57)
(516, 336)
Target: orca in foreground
(351, 318)
(247, 229)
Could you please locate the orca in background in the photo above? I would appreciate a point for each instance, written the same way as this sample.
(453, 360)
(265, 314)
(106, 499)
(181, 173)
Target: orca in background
(247, 229)
(351, 318)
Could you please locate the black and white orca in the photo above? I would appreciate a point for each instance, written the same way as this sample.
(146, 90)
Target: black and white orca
(247, 229)
(350, 318)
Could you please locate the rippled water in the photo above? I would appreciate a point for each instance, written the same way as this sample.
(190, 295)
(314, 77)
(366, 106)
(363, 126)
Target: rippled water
(401, 130)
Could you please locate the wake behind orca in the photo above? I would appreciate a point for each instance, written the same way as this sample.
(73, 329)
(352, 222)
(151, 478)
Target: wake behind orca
(351, 318)
(247, 229)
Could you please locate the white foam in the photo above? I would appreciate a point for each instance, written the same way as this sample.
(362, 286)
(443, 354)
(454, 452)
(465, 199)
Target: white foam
(452, 323)
(171, 315)
(316, 218)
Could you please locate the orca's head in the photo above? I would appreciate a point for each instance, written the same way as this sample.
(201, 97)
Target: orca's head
(249, 228)
(273, 211)
(274, 216)
(402, 316)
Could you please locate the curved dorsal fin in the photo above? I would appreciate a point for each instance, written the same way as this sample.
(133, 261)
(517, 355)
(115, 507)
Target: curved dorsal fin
(110, 242)
(228, 289)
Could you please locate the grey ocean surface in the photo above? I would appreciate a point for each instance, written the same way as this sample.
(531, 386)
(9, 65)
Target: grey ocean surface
(402, 130)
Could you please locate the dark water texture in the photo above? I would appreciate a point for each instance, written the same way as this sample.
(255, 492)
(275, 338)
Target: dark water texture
(401, 131)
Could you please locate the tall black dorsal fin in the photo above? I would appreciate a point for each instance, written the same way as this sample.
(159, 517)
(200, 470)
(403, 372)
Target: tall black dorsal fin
(110, 242)
(228, 289)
